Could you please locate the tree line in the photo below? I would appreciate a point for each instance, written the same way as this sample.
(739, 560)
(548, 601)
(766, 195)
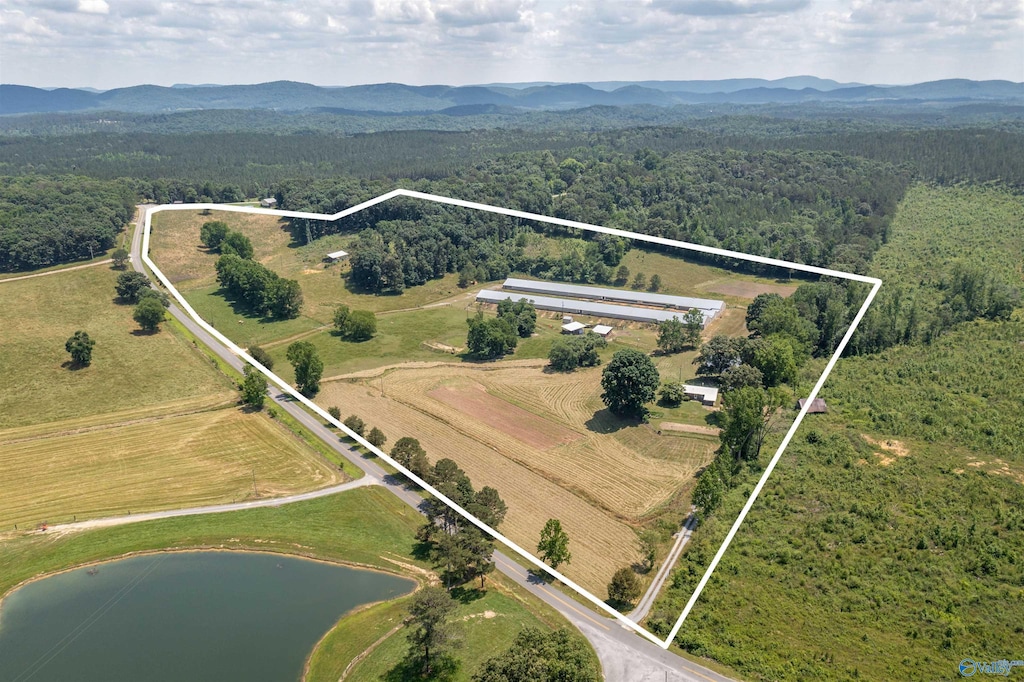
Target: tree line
(51, 220)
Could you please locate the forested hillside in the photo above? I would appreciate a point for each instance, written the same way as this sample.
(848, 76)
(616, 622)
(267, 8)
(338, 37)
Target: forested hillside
(889, 542)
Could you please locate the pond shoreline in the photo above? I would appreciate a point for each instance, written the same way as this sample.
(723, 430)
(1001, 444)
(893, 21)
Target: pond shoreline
(209, 548)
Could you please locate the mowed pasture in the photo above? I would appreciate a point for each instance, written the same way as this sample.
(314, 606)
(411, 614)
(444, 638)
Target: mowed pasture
(154, 463)
(176, 249)
(544, 441)
(129, 370)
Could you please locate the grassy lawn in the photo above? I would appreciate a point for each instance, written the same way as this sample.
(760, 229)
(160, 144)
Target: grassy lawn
(490, 621)
(128, 370)
(191, 459)
(366, 526)
(373, 524)
(400, 338)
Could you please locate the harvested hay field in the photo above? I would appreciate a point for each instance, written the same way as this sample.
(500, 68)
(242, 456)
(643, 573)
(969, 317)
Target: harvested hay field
(159, 462)
(535, 437)
(475, 401)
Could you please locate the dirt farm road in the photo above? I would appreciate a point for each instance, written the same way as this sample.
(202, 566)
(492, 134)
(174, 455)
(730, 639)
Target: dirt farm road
(57, 271)
(624, 656)
(643, 607)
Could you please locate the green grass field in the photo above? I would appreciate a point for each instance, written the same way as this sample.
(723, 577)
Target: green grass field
(367, 526)
(128, 370)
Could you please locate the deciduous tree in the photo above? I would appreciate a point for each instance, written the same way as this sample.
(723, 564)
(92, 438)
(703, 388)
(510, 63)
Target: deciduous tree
(149, 313)
(539, 656)
(355, 424)
(624, 587)
(629, 382)
(212, 233)
(130, 284)
(376, 437)
(307, 365)
(120, 257)
(80, 347)
(254, 387)
(553, 547)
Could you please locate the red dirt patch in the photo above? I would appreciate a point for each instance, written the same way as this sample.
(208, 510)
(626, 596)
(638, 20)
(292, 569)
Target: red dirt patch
(504, 416)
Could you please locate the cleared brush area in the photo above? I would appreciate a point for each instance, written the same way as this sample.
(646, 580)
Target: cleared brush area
(562, 457)
(683, 277)
(128, 370)
(152, 463)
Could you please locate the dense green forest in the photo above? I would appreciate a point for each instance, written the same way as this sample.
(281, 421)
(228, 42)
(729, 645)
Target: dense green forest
(44, 221)
(809, 207)
(254, 162)
(888, 543)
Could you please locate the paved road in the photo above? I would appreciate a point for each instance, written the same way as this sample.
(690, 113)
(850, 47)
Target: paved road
(643, 607)
(625, 657)
(57, 271)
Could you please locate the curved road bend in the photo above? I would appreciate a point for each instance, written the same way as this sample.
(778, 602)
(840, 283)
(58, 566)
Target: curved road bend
(625, 657)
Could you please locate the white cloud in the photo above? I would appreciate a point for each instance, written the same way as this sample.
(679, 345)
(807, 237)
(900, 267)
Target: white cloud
(337, 42)
(93, 6)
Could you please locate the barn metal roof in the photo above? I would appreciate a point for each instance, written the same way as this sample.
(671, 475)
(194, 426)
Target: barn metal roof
(625, 295)
(566, 305)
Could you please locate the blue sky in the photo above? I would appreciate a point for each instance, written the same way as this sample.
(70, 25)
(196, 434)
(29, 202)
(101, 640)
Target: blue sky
(114, 43)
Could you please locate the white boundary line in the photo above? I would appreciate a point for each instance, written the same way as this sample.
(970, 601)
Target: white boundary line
(287, 388)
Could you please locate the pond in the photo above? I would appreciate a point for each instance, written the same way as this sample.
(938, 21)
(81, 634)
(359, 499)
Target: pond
(181, 616)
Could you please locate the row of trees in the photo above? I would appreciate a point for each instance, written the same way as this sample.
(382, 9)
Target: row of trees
(260, 288)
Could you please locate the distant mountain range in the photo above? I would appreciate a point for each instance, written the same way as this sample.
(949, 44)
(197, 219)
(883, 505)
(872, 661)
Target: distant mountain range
(396, 98)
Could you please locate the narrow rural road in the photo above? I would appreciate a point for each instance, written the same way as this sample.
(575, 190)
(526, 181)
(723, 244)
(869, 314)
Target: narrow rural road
(213, 508)
(625, 657)
(643, 607)
(57, 271)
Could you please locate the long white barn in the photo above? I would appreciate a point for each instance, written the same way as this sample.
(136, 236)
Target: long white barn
(618, 295)
(594, 308)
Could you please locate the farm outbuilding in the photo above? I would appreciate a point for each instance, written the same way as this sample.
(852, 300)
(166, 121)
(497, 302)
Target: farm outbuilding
(336, 256)
(707, 395)
(709, 307)
(602, 329)
(573, 328)
(567, 305)
(818, 405)
(269, 202)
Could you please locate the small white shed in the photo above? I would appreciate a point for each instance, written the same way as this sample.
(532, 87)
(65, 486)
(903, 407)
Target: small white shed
(602, 329)
(573, 328)
(336, 256)
(269, 202)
